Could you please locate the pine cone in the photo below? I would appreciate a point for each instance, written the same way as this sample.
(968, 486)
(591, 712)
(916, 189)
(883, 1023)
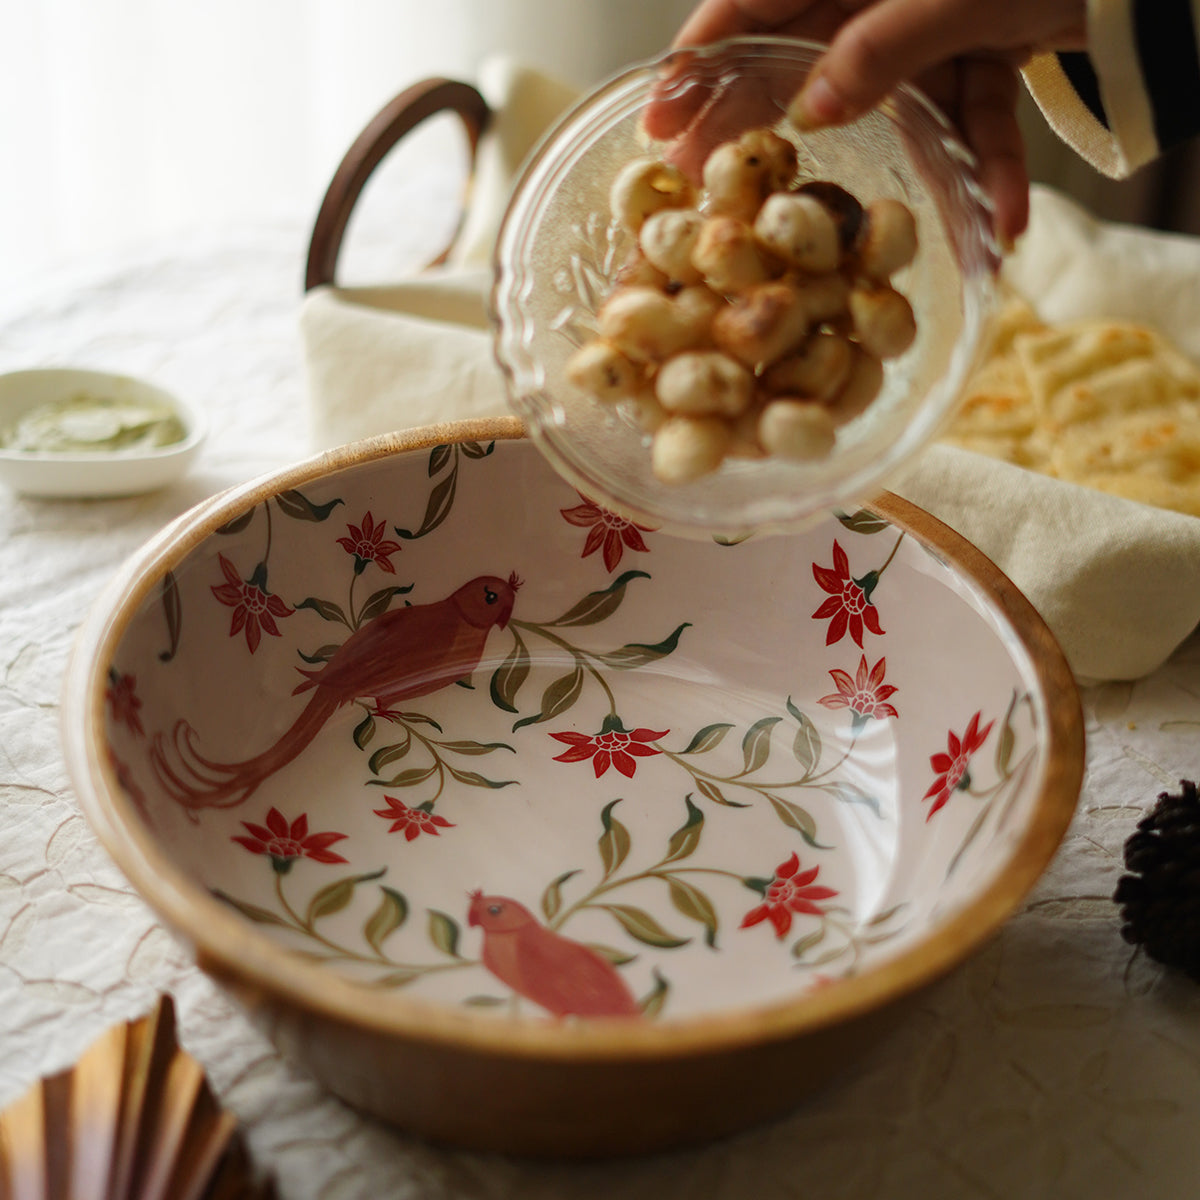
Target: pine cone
(1160, 901)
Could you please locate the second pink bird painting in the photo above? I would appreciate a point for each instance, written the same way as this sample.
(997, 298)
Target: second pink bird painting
(564, 977)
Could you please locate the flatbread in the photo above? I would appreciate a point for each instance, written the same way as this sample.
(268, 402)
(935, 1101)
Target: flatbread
(1151, 456)
(1106, 404)
(1090, 370)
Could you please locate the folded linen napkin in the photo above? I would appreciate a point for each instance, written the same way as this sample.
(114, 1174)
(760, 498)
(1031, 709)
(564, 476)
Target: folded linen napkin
(417, 353)
(1117, 582)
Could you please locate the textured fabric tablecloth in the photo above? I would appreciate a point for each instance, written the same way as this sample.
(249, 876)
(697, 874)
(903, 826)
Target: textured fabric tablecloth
(1055, 1064)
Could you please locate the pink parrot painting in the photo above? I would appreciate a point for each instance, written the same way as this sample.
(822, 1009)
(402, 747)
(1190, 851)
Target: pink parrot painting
(401, 654)
(565, 977)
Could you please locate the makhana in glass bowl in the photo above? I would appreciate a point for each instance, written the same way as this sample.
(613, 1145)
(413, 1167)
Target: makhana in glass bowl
(559, 247)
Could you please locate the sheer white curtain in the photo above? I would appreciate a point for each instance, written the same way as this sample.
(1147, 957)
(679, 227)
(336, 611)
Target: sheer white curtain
(123, 122)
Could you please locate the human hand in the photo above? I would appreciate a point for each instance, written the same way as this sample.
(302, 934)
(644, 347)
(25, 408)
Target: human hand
(964, 54)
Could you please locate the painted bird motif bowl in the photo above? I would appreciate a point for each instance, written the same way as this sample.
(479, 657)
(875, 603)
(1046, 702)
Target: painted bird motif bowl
(532, 829)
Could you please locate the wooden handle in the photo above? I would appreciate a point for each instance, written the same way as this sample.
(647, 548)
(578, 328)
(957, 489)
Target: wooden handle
(391, 123)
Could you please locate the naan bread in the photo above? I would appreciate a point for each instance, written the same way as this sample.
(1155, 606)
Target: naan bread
(1091, 370)
(1107, 404)
(997, 416)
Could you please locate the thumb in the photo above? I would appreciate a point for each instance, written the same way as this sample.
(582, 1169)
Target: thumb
(893, 41)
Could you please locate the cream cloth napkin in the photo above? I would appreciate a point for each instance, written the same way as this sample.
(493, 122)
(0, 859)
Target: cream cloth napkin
(419, 352)
(1117, 582)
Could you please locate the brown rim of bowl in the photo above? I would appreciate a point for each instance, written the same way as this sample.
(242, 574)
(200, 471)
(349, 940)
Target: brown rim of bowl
(231, 950)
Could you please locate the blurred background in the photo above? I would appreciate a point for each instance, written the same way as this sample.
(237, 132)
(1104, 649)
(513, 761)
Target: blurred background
(132, 123)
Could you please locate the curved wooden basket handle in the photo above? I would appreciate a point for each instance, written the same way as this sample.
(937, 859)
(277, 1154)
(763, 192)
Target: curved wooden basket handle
(397, 118)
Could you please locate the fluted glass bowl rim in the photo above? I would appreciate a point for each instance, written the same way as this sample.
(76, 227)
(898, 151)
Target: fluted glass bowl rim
(524, 377)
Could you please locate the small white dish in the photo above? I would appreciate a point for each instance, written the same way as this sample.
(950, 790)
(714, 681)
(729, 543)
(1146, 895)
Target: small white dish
(95, 473)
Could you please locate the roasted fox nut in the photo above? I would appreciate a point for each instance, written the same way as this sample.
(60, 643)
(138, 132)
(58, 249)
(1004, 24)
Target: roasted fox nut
(773, 154)
(762, 325)
(646, 186)
(883, 320)
(638, 271)
(695, 308)
(858, 393)
(685, 448)
(818, 369)
(740, 175)
(752, 316)
(602, 370)
(800, 430)
(648, 326)
(800, 230)
(699, 382)
(843, 206)
(727, 255)
(744, 441)
(647, 413)
(887, 240)
(825, 297)
(667, 240)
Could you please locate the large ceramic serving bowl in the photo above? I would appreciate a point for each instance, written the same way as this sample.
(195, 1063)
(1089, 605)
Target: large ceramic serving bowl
(530, 829)
(558, 250)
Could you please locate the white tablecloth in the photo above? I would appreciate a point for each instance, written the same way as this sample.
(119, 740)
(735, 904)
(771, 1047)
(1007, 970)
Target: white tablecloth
(1055, 1064)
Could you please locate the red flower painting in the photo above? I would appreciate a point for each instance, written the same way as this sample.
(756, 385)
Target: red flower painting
(614, 746)
(952, 763)
(791, 891)
(129, 785)
(866, 695)
(254, 608)
(284, 843)
(368, 545)
(606, 532)
(848, 607)
(411, 821)
(121, 695)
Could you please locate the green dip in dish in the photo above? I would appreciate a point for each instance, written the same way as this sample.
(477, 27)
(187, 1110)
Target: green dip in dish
(87, 423)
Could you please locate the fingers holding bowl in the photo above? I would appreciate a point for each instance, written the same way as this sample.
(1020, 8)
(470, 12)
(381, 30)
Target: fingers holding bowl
(697, 104)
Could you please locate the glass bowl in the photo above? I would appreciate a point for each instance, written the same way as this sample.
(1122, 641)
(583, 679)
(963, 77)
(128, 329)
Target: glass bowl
(558, 249)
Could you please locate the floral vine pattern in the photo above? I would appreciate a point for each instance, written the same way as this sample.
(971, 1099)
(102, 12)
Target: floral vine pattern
(848, 607)
(614, 746)
(255, 609)
(951, 764)
(663, 897)
(284, 842)
(418, 741)
(866, 695)
(585, 665)
(443, 466)
(952, 774)
(123, 702)
(789, 894)
(607, 532)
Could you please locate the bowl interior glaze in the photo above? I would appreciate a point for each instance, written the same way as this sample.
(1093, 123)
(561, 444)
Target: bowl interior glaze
(702, 780)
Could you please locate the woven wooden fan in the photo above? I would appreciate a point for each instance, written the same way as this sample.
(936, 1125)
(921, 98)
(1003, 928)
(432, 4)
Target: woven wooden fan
(134, 1117)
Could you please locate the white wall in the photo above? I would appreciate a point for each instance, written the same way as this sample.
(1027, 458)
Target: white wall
(126, 121)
